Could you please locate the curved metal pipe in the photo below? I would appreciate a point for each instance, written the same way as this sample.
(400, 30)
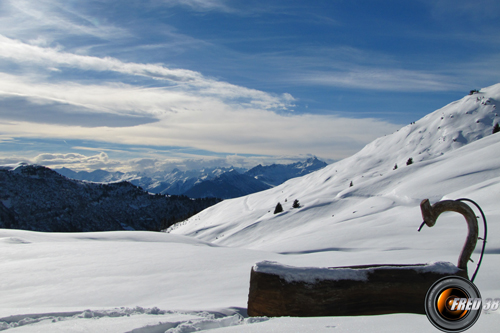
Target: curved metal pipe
(431, 213)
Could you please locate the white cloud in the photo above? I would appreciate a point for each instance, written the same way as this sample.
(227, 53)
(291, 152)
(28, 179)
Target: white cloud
(218, 128)
(70, 158)
(73, 161)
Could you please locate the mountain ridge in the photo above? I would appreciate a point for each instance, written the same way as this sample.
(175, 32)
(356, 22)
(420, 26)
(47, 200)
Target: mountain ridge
(192, 182)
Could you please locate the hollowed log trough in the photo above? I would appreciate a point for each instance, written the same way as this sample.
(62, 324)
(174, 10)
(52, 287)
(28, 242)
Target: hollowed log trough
(279, 290)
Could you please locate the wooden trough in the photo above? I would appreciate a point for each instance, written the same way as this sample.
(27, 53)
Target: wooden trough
(280, 290)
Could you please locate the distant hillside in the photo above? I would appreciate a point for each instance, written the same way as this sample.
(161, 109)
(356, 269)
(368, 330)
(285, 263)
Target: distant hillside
(99, 176)
(277, 174)
(228, 185)
(37, 198)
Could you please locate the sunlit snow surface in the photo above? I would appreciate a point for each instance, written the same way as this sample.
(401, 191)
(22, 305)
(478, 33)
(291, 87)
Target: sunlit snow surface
(197, 276)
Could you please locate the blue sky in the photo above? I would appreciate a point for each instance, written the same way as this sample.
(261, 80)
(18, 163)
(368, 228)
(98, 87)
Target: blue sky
(148, 84)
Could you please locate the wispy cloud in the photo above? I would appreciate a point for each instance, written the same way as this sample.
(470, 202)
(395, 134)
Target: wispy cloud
(349, 67)
(475, 10)
(381, 79)
(180, 79)
(202, 5)
(47, 57)
(52, 18)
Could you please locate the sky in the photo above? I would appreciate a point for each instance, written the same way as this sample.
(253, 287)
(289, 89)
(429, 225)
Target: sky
(146, 85)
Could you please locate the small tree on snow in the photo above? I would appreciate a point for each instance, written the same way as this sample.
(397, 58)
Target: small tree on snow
(410, 161)
(351, 184)
(496, 128)
(296, 204)
(395, 166)
(278, 208)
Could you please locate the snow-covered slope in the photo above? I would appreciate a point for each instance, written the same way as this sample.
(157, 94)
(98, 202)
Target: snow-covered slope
(449, 160)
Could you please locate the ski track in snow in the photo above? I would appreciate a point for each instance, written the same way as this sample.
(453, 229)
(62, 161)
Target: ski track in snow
(167, 320)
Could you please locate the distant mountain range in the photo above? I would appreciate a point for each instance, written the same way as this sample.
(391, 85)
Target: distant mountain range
(277, 174)
(34, 197)
(230, 184)
(218, 182)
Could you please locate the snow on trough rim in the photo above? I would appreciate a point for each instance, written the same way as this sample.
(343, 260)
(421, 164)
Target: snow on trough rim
(314, 274)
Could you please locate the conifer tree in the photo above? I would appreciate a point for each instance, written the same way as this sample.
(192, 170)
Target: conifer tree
(278, 208)
(496, 128)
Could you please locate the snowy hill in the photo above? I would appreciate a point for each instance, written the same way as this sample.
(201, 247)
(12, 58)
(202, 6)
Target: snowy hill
(131, 281)
(448, 158)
